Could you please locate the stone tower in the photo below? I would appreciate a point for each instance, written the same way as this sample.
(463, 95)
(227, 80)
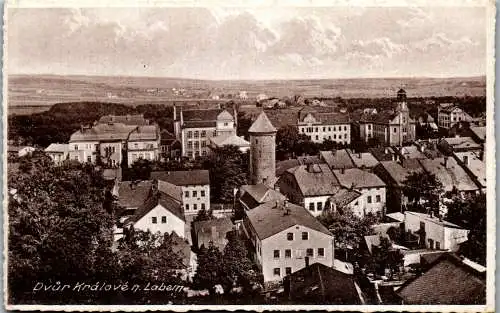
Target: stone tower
(262, 151)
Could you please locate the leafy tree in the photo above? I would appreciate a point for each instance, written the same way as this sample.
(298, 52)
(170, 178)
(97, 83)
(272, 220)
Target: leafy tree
(239, 270)
(58, 227)
(384, 257)
(203, 215)
(228, 170)
(210, 269)
(421, 186)
(347, 228)
(471, 213)
(290, 143)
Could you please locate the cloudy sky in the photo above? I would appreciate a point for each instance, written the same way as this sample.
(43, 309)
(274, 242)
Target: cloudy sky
(249, 43)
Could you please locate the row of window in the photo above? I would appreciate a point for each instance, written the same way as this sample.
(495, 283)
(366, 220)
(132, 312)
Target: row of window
(316, 129)
(200, 134)
(330, 137)
(277, 271)
(154, 220)
(195, 207)
(148, 156)
(148, 146)
(196, 144)
(190, 154)
(309, 253)
(194, 193)
(290, 236)
(319, 206)
(377, 199)
(88, 146)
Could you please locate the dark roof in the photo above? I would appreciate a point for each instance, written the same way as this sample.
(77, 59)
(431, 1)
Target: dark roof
(183, 178)
(254, 195)
(212, 230)
(314, 179)
(337, 159)
(343, 197)
(133, 194)
(171, 190)
(262, 125)
(282, 166)
(449, 281)
(116, 131)
(318, 283)
(400, 171)
(200, 115)
(137, 119)
(333, 118)
(380, 153)
(268, 219)
(158, 198)
(359, 178)
(363, 159)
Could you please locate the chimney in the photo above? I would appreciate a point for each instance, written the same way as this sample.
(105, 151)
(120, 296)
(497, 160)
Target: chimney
(352, 186)
(81, 128)
(446, 162)
(277, 188)
(310, 167)
(307, 261)
(466, 160)
(342, 170)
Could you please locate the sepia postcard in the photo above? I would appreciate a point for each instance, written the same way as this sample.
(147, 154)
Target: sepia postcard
(269, 155)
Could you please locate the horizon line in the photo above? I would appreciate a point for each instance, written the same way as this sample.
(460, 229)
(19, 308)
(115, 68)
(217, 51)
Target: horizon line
(247, 79)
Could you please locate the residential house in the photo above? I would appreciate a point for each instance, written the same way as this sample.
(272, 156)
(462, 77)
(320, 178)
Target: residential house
(130, 196)
(449, 115)
(251, 196)
(170, 147)
(388, 127)
(195, 128)
(368, 184)
(261, 97)
(434, 232)
(346, 199)
(450, 174)
(449, 281)
(284, 237)
(411, 152)
(159, 213)
(474, 166)
(112, 143)
(214, 231)
(58, 152)
(194, 186)
(458, 144)
(318, 283)
(384, 153)
(337, 159)
(426, 120)
(243, 95)
(309, 185)
(363, 160)
(321, 126)
(19, 151)
(394, 174)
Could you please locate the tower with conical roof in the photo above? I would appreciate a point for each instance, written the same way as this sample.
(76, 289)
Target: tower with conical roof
(262, 151)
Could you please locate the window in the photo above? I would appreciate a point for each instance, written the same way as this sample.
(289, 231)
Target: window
(190, 134)
(89, 159)
(190, 145)
(310, 252)
(431, 244)
(404, 129)
(196, 144)
(438, 245)
(319, 206)
(214, 133)
(197, 153)
(289, 236)
(369, 199)
(203, 134)
(334, 136)
(305, 235)
(317, 137)
(311, 206)
(225, 124)
(288, 270)
(154, 220)
(324, 128)
(395, 130)
(203, 144)
(187, 207)
(276, 271)
(276, 254)
(195, 206)
(190, 154)
(186, 194)
(334, 128)
(377, 198)
(321, 252)
(288, 253)
(76, 147)
(316, 129)
(203, 206)
(196, 134)
(136, 145)
(202, 193)
(345, 128)
(369, 126)
(163, 219)
(195, 193)
(345, 136)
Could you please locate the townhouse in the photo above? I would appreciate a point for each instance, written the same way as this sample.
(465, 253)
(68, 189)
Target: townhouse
(321, 126)
(449, 115)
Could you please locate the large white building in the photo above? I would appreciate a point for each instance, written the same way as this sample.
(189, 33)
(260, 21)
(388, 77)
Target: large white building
(321, 126)
(196, 128)
(285, 237)
(450, 114)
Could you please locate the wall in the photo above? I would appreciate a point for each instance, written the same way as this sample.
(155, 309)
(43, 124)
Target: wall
(117, 149)
(262, 158)
(433, 230)
(453, 237)
(197, 143)
(340, 133)
(198, 200)
(173, 222)
(298, 246)
(373, 193)
(85, 149)
(315, 200)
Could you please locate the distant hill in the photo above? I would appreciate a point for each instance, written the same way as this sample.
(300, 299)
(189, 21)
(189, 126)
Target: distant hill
(36, 91)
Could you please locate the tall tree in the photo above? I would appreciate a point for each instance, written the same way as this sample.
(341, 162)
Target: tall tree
(423, 187)
(290, 143)
(209, 271)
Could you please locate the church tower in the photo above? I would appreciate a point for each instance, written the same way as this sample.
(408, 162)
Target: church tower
(262, 151)
(406, 131)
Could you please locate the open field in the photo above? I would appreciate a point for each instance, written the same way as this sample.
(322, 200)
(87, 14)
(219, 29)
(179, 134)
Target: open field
(31, 93)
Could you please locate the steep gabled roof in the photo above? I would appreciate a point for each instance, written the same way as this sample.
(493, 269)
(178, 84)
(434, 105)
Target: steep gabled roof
(358, 178)
(157, 198)
(57, 147)
(262, 125)
(268, 219)
(314, 179)
(133, 194)
(255, 195)
(183, 178)
(337, 159)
